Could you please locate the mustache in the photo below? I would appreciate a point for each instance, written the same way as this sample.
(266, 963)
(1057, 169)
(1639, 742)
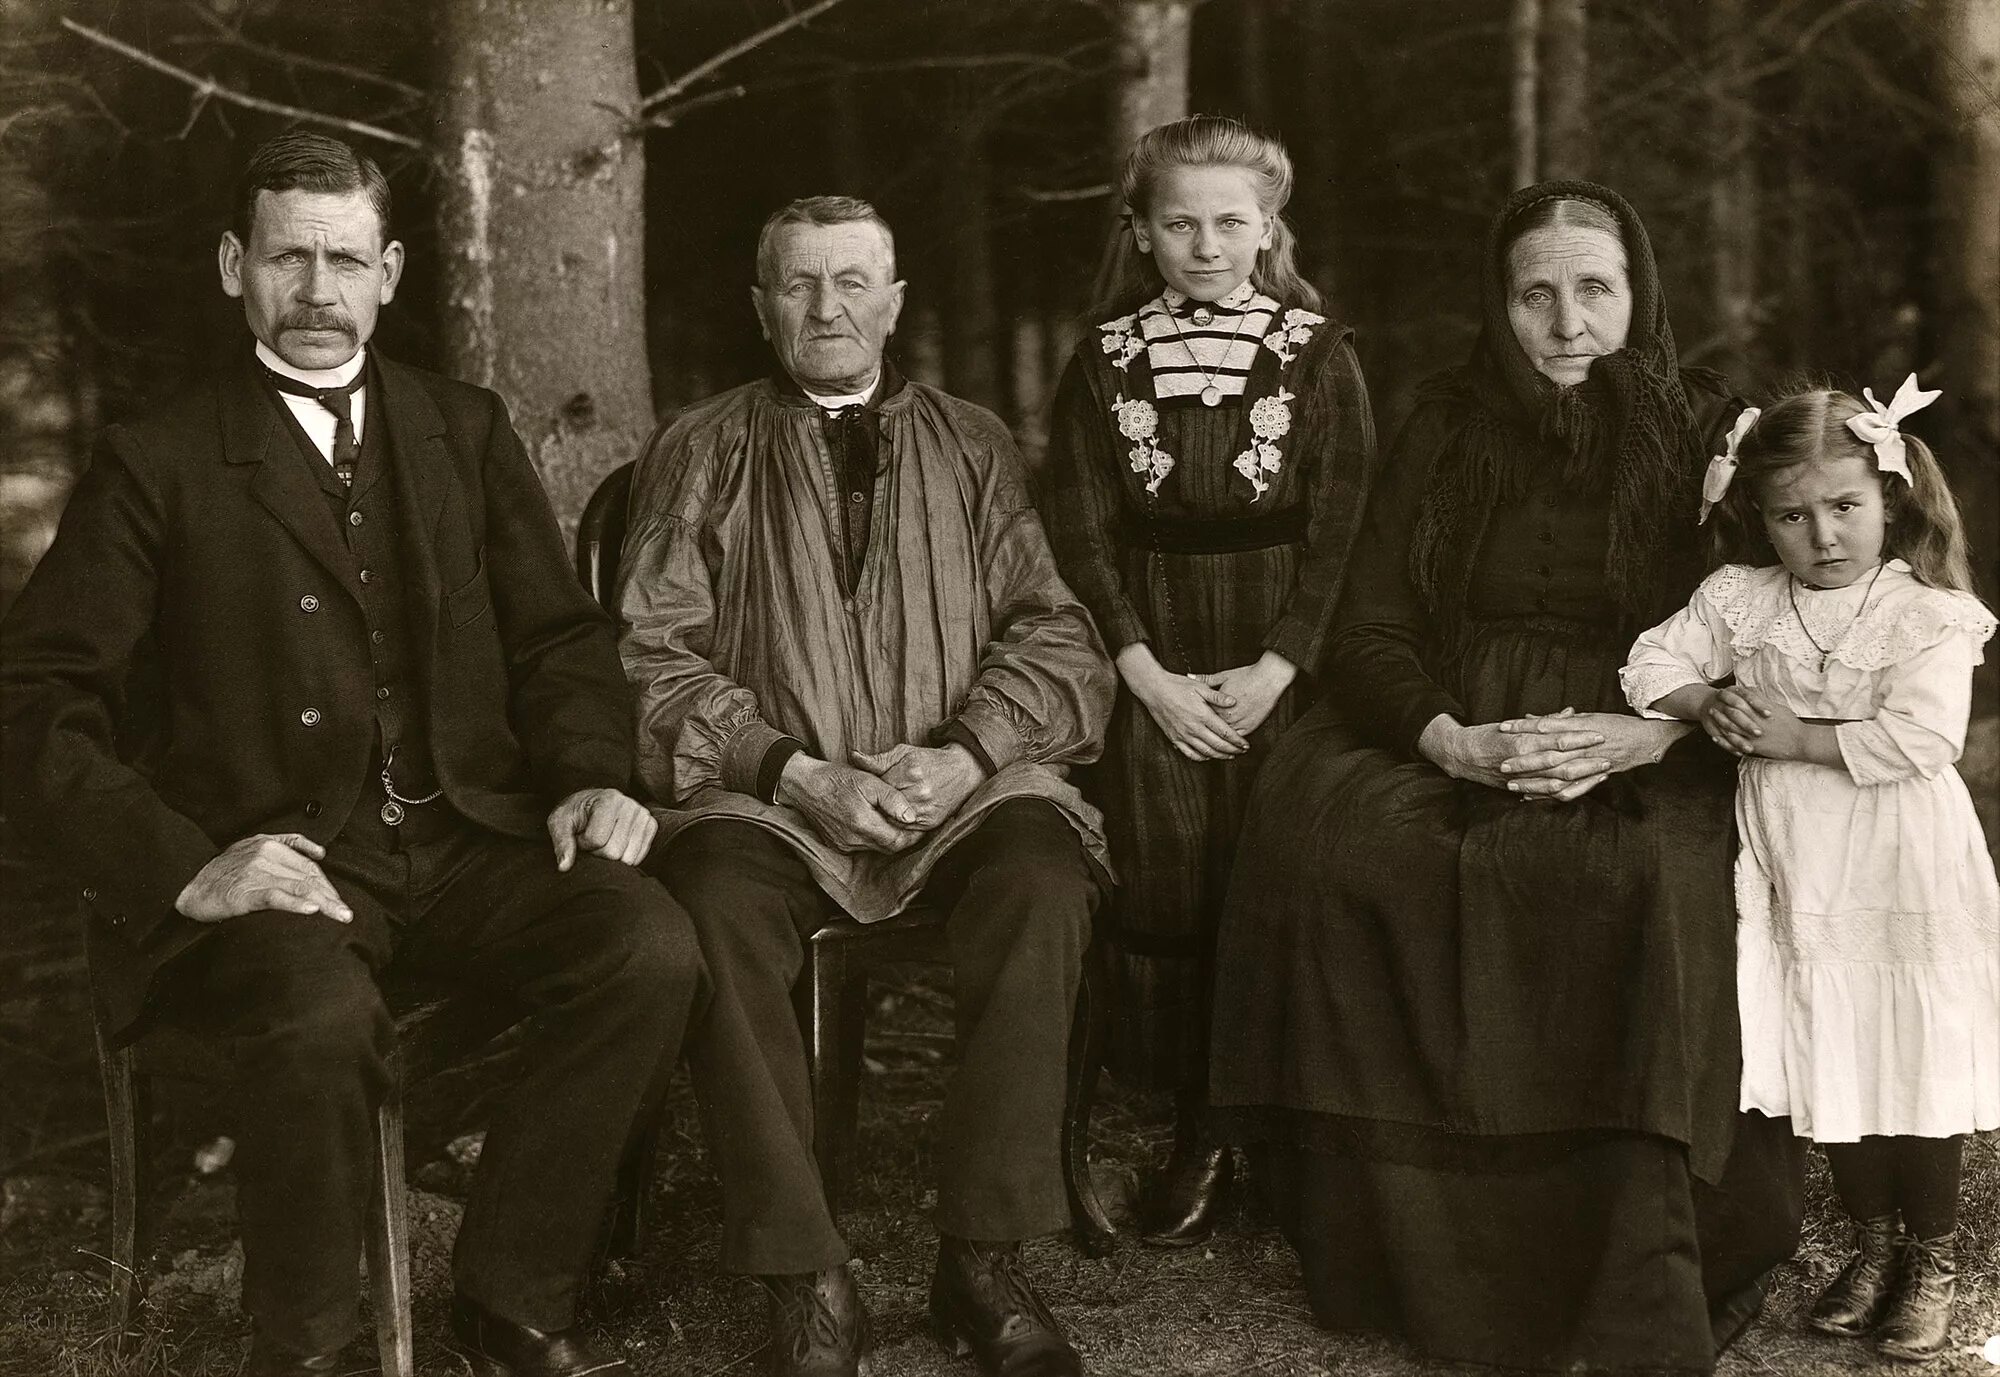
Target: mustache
(317, 320)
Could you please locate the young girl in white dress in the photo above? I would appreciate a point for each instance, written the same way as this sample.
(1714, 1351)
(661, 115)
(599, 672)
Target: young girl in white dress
(1868, 966)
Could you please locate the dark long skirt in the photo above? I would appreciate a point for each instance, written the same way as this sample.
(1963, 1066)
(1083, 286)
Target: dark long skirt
(1490, 1032)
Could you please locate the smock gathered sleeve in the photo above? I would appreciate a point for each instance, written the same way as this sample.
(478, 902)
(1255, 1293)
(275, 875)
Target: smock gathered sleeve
(1045, 688)
(697, 727)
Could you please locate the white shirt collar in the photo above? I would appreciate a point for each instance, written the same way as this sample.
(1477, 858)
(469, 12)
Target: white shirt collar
(1233, 301)
(313, 377)
(835, 403)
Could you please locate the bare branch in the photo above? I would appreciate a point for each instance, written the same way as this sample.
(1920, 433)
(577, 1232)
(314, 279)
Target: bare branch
(206, 87)
(703, 70)
(672, 115)
(1059, 194)
(228, 35)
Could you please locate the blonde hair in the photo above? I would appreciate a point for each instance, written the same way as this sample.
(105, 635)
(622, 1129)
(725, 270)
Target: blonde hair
(1924, 528)
(1203, 141)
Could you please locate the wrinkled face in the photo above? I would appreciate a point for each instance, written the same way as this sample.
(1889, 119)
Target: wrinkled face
(830, 304)
(1204, 229)
(1568, 298)
(1826, 519)
(314, 274)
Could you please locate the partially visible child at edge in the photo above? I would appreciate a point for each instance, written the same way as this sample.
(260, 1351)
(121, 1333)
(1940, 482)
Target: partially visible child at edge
(1868, 947)
(1211, 446)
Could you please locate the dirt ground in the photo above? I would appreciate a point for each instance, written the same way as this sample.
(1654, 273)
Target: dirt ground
(1231, 1307)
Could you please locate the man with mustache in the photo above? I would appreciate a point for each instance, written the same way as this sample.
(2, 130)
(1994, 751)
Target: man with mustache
(862, 680)
(391, 732)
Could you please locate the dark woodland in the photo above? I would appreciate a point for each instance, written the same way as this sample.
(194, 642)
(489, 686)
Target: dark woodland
(579, 184)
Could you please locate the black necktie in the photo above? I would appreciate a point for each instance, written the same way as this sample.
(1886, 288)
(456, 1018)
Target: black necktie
(340, 401)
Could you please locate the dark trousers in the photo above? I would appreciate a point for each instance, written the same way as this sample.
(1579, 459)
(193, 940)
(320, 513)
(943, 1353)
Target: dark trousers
(601, 958)
(1018, 894)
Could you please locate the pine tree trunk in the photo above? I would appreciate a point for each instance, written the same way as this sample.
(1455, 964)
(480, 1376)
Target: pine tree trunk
(1524, 28)
(1969, 191)
(541, 227)
(1565, 79)
(1150, 69)
(1732, 192)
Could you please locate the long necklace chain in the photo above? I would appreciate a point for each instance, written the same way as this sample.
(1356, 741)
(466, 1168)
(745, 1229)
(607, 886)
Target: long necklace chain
(1211, 395)
(1792, 591)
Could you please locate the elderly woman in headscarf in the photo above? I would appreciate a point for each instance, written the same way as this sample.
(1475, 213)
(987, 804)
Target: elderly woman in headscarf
(1475, 1012)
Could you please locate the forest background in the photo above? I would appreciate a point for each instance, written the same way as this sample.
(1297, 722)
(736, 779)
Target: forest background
(580, 182)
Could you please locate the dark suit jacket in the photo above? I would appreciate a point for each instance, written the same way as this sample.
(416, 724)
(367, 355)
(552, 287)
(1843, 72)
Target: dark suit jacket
(198, 541)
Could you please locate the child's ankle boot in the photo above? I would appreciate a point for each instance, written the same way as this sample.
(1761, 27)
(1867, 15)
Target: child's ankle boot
(1918, 1324)
(1859, 1297)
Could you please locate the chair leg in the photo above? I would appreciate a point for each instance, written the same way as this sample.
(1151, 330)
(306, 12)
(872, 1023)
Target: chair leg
(632, 1209)
(1095, 1233)
(389, 1242)
(839, 1015)
(125, 1128)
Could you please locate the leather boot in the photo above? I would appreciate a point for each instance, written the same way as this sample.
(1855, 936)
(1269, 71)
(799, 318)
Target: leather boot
(982, 1303)
(1918, 1325)
(819, 1327)
(1181, 1204)
(1859, 1296)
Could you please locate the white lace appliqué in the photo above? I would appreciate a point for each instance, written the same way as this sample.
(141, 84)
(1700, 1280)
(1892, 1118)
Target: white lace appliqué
(1888, 632)
(1270, 417)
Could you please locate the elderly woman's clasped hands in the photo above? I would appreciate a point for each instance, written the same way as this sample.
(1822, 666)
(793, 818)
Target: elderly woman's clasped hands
(1557, 757)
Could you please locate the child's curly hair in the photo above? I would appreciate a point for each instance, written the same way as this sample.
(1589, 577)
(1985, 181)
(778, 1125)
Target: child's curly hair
(1924, 528)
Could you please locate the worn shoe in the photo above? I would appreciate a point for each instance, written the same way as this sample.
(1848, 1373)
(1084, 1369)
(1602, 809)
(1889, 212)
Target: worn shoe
(1859, 1297)
(496, 1347)
(1918, 1325)
(818, 1325)
(982, 1303)
(1180, 1208)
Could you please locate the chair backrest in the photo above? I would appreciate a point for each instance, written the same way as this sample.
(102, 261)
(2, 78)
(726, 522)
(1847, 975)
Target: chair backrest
(600, 535)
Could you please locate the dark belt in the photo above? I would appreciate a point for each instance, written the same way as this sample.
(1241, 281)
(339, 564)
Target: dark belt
(1170, 535)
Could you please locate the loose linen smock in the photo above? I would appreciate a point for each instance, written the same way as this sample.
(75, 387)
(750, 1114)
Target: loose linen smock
(1868, 918)
(742, 626)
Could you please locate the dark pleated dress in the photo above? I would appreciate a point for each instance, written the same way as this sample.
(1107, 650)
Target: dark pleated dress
(1483, 1050)
(1210, 575)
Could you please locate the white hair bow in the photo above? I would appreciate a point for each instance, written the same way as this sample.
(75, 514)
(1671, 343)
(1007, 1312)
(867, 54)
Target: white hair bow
(1882, 427)
(1722, 468)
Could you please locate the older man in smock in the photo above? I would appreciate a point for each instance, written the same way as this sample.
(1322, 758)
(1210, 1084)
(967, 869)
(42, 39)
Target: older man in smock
(861, 675)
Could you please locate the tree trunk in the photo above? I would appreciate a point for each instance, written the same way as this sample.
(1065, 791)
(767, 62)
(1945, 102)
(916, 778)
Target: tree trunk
(1732, 192)
(1968, 185)
(971, 320)
(1149, 68)
(1566, 141)
(541, 229)
(1524, 27)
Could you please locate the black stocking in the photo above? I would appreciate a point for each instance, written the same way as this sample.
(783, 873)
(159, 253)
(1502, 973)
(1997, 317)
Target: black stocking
(1927, 1178)
(1864, 1174)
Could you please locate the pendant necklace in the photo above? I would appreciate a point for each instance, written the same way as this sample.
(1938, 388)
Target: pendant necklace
(1211, 395)
(393, 811)
(1792, 591)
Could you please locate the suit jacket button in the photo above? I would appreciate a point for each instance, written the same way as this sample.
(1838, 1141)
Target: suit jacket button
(354, 518)
(312, 807)
(310, 717)
(89, 894)
(309, 603)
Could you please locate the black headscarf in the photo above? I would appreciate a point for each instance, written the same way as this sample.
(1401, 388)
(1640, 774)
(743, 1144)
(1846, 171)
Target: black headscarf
(1628, 429)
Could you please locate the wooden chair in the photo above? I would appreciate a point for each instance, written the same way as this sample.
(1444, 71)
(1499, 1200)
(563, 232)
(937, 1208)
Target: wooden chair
(436, 1028)
(832, 997)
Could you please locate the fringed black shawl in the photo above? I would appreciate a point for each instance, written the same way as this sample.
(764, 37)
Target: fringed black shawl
(1628, 429)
